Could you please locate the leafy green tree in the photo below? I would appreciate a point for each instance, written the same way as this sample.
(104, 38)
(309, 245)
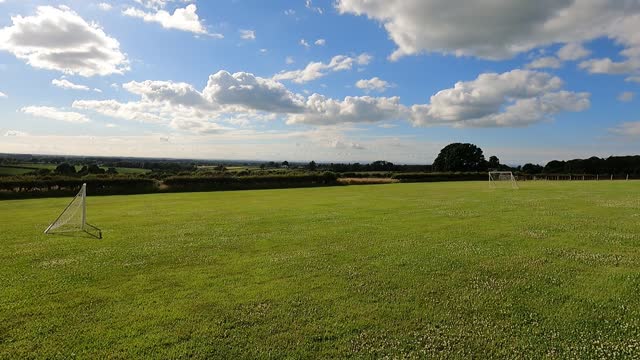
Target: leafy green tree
(312, 166)
(112, 171)
(95, 169)
(65, 169)
(494, 162)
(532, 169)
(460, 157)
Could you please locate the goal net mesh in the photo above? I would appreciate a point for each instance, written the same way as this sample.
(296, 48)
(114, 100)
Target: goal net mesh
(73, 217)
(502, 179)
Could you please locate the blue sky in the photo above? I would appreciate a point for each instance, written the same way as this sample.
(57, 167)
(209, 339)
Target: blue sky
(346, 80)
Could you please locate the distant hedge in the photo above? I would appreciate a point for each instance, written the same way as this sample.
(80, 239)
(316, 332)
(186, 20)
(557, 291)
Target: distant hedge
(436, 177)
(208, 183)
(18, 187)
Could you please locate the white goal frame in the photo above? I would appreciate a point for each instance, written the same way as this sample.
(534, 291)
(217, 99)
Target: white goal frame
(56, 227)
(495, 176)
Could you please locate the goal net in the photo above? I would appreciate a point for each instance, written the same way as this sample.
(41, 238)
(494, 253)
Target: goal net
(502, 179)
(74, 217)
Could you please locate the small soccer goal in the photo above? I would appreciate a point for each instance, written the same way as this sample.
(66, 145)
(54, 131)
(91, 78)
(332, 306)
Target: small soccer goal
(502, 179)
(73, 218)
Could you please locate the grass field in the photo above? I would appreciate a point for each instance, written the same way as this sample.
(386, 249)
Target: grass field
(445, 270)
(13, 171)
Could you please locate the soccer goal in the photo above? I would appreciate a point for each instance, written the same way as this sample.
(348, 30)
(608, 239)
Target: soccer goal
(74, 217)
(502, 178)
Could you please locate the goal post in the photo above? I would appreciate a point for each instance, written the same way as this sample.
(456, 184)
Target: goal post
(498, 178)
(74, 217)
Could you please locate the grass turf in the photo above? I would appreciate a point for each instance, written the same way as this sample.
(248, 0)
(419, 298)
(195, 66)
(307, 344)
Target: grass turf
(404, 270)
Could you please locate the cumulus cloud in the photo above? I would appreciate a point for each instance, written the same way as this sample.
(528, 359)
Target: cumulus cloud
(66, 84)
(515, 98)
(247, 90)
(626, 96)
(608, 66)
(373, 84)
(494, 29)
(316, 70)
(365, 109)
(320, 42)
(572, 51)
(55, 114)
(184, 19)
(304, 43)
(174, 93)
(57, 38)
(3, 95)
(550, 62)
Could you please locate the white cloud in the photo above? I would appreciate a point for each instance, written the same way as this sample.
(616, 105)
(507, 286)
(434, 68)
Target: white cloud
(105, 6)
(133, 111)
(494, 29)
(252, 92)
(608, 66)
(633, 79)
(153, 4)
(511, 99)
(629, 129)
(184, 19)
(289, 60)
(572, 51)
(289, 12)
(66, 84)
(320, 42)
(316, 70)
(373, 84)
(59, 39)
(365, 109)
(304, 43)
(550, 62)
(247, 34)
(626, 96)
(15, 133)
(55, 114)
(3, 95)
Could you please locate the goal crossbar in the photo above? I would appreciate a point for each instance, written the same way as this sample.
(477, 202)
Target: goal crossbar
(496, 177)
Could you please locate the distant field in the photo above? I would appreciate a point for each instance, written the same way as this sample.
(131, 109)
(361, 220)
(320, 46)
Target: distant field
(13, 171)
(446, 270)
(20, 169)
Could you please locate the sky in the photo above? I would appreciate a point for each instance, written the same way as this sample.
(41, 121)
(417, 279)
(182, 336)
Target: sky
(330, 81)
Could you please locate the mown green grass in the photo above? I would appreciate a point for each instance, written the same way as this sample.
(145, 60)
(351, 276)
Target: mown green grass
(445, 270)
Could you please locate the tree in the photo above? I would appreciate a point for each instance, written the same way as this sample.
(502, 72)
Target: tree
(312, 166)
(112, 171)
(285, 164)
(95, 169)
(532, 169)
(460, 157)
(494, 162)
(65, 169)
